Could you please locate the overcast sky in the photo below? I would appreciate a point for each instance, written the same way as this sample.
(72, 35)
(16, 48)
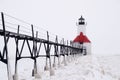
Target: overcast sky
(60, 17)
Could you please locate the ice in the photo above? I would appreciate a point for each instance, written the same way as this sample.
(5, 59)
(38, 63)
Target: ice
(90, 67)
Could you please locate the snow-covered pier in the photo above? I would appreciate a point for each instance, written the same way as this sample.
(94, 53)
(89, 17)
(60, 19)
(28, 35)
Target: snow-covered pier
(32, 42)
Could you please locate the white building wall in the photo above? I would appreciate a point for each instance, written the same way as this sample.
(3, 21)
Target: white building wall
(88, 48)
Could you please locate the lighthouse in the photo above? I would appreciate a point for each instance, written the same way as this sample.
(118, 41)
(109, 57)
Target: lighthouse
(81, 40)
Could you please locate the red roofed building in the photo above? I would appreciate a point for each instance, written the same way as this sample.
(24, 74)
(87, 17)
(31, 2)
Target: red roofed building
(82, 41)
(81, 38)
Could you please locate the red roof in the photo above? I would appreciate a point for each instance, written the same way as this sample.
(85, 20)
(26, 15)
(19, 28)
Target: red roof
(81, 39)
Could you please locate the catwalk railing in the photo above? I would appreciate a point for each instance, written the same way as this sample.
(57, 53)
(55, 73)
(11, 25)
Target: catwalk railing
(33, 42)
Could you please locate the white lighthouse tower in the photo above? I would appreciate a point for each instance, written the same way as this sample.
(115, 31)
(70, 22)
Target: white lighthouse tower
(82, 41)
(81, 26)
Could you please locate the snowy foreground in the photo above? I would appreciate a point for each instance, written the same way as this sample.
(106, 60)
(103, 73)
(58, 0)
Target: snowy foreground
(89, 68)
(81, 68)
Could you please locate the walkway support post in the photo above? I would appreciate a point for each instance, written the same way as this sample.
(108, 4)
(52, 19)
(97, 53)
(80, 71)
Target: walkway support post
(64, 52)
(47, 49)
(15, 76)
(34, 51)
(47, 53)
(55, 52)
(67, 52)
(6, 50)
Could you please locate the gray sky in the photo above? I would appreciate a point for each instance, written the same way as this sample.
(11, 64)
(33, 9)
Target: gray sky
(60, 17)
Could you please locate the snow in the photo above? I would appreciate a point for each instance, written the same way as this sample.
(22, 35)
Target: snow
(90, 67)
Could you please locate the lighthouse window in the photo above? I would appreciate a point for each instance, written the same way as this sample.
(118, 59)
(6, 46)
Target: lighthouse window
(82, 20)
